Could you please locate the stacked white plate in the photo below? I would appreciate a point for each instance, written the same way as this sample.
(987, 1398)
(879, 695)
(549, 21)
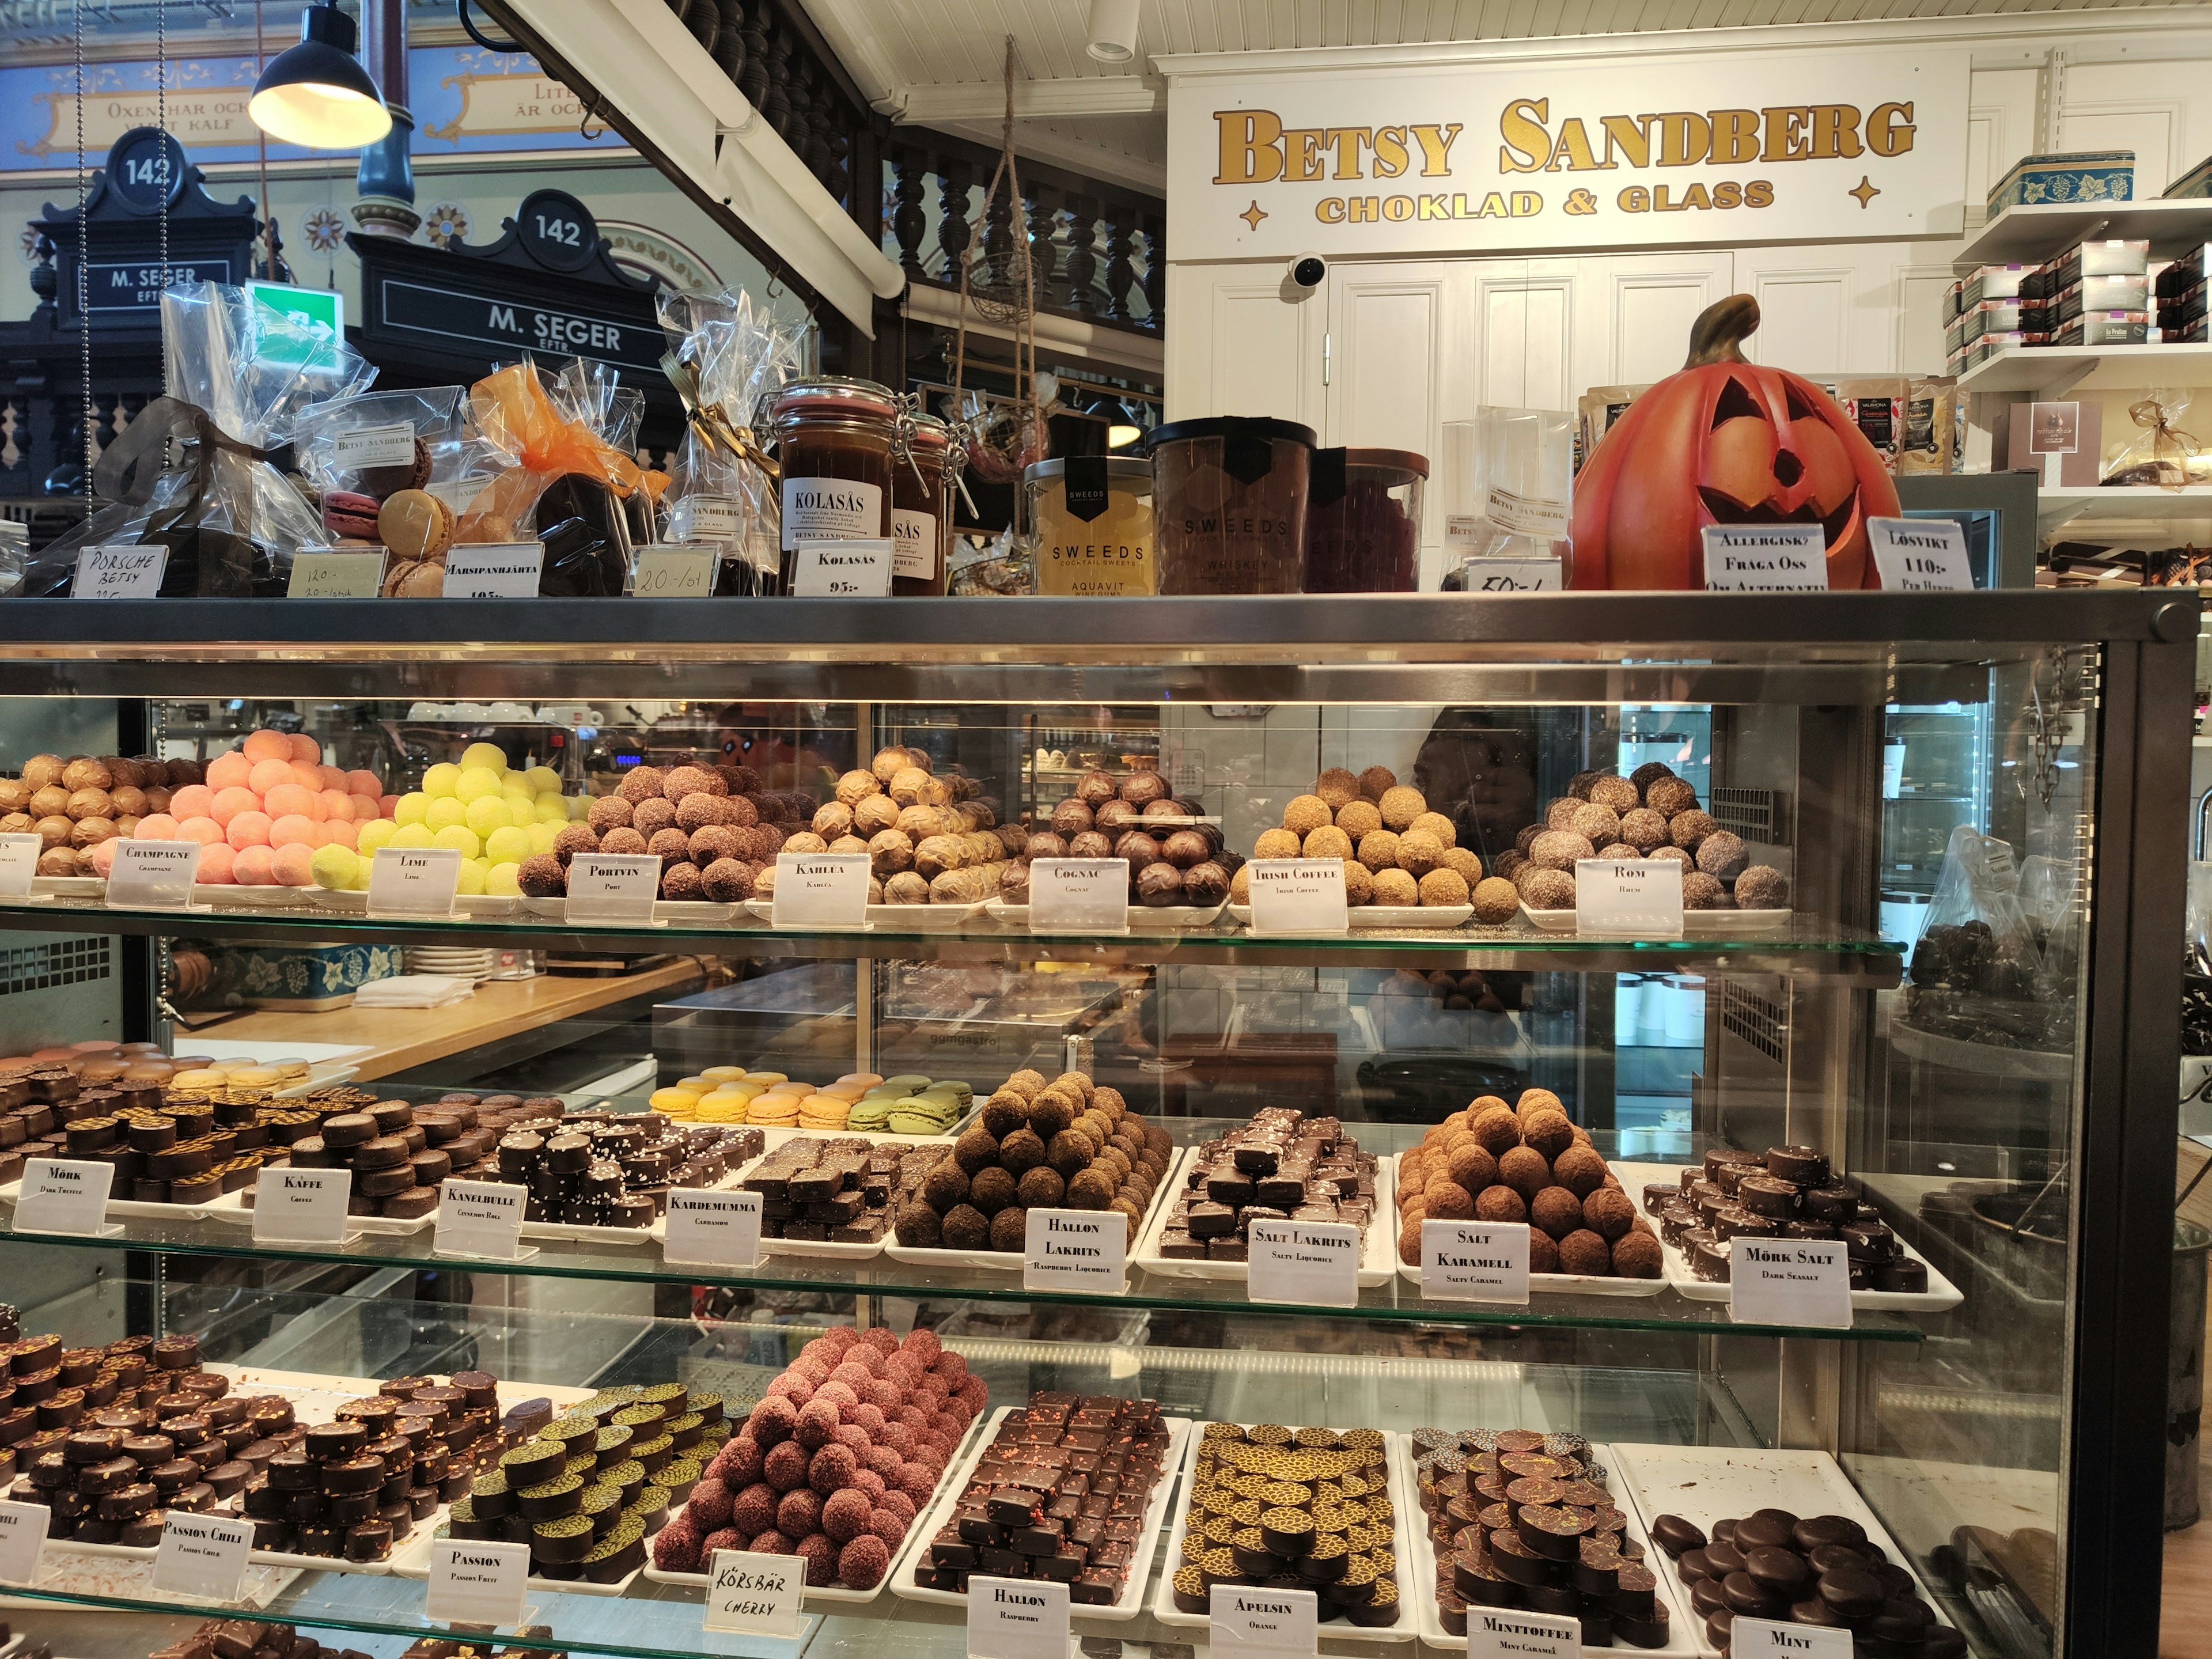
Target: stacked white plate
(474, 965)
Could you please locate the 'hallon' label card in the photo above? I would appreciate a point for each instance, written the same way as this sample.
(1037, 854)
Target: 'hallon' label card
(1076, 1250)
(1016, 1619)
(1245, 1623)
(1475, 1260)
(1782, 1281)
(1766, 558)
(1314, 1262)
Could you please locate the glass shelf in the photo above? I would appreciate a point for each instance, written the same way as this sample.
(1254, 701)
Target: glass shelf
(1805, 950)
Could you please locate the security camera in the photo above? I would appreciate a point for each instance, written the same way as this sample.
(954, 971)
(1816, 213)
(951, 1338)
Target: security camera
(1307, 270)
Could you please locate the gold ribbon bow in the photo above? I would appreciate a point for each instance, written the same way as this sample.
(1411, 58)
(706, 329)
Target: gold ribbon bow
(2150, 414)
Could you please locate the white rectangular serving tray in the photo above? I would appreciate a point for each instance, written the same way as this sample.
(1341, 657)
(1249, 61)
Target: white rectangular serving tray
(1705, 1484)
(1404, 1543)
(1386, 915)
(1131, 1602)
(1142, 918)
(1696, 924)
(1941, 1295)
(1681, 1641)
(904, 917)
(1010, 1262)
(691, 912)
(1378, 1252)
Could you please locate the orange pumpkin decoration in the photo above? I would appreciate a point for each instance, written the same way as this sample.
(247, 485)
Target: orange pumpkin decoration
(1725, 441)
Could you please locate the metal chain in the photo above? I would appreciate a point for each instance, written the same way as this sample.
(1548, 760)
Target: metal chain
(161, 121)
(83, 256)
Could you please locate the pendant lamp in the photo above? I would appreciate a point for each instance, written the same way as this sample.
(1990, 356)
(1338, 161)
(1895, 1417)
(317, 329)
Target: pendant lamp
(316, 93)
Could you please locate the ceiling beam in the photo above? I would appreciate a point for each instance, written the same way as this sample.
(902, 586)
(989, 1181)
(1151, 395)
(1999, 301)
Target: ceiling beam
(1066, 99)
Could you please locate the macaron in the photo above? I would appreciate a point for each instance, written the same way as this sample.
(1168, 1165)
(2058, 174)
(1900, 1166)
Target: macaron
(822, 1112)
(872, 1113)
(412, 473)
(773, 1110)
(415, 525)
(349, 514)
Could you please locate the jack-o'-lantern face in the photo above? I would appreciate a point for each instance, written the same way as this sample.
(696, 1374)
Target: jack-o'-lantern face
(1727, 442)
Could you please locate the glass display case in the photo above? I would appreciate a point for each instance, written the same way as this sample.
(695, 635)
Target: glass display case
(1962, 1139)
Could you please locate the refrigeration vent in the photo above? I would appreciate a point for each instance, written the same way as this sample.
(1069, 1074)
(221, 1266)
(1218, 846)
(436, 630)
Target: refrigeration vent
(60, 961)
(1753, 814)
(1762, 1024)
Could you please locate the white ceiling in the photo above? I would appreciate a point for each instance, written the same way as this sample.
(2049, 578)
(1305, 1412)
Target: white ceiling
(937, 63)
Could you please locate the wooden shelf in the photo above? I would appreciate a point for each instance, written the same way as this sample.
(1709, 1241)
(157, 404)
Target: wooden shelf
(2020, 235)
(2054, 371)
(2054, 507)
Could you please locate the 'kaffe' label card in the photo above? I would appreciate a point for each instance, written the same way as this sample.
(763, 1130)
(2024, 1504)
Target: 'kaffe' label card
(1497, 1633)
(1243, 1623)
(1298, 895)
(1510, 576)
(414, 881)
(480, 1217)
(319, 575)
(1640, 897)
(152, 875)
(1778, 1281)
(495, 570)
(1475, 1260)
(613, 886)
(62, 1195)
(1921, 556)
(474, 1583)
(1314, 1262)
(204, 1555)
(1769, 1640)
(1766, 558)
(674, 573)
(820, 889)
(22, 1537)
(1075, 896)
(713, 1230)
(1016, 1619)
(300, 1207)
(842, 570)
(755, 1595)
(19, 862)
(1075, 1250)
(119, 570)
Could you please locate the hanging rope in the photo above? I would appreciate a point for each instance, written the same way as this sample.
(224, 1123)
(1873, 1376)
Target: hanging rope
(83, 260)
(161, 121)
(1004, 445)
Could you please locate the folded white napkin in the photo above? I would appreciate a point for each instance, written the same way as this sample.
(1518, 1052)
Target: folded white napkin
(414, 991)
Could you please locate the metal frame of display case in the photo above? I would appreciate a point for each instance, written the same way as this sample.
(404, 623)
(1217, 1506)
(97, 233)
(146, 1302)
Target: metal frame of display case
(1866, 648)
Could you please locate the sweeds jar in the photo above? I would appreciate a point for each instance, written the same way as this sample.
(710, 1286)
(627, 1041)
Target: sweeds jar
(1229, 494)
(1090, 525)
(834, 439)
(1363, 521)
(922, 506)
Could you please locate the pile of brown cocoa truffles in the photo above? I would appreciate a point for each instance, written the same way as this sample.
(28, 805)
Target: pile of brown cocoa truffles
(713, 828)
(1174, 859)
(74, 804)
(929, 840)
(1395, 851)
(1649, 814)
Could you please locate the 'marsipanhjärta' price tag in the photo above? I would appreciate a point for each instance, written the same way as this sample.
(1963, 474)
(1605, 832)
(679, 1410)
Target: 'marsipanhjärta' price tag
(1921, 556)
(755, 1595)
(300, 1207)
(202, 1555)
(480, 1218)
(1789, 1281)
(713, 1230)
(477, 1583)
(64, 1195)
(1246, 1623)
(1766, 558)
(1079, 896)
(494, 570)
(1016, 1619)
(1076, 1250)
(1298, 895)
(1475, 1260)
(1316, 1262)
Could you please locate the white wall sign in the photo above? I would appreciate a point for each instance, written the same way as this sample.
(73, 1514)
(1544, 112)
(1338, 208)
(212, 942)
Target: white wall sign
(1476, 156)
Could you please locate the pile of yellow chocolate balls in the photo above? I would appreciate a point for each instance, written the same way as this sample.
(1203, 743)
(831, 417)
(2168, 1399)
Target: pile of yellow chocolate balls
(494, 815)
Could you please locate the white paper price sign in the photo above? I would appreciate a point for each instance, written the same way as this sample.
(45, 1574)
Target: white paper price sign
(1075, 1250)
(495, 570)
(477, 1583)
(842, 570)
(618, 887)
(414, 881)
(300, 1207)
(1475, 1260)
(19, 862)
(152, 875)
(64, 1195)
(1769, 1640)
(713, 1230)
(480, 1217)
(336, 575)
(1642, 897)
(22, 1537)
(119, 570)
(1921, 556)
(1498, 1633)
(820, 889)
(204, 1555)
(674, 573)
(1316, 1262)
(1077, 895)
(755, 1595)
(1243, 1623)
(1016, 1619)
(1766, 558)
(1298, 895)
(1511, 576)
(1789, 1281)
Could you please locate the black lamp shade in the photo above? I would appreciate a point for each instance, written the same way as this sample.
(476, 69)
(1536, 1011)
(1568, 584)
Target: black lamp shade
(317, 94)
